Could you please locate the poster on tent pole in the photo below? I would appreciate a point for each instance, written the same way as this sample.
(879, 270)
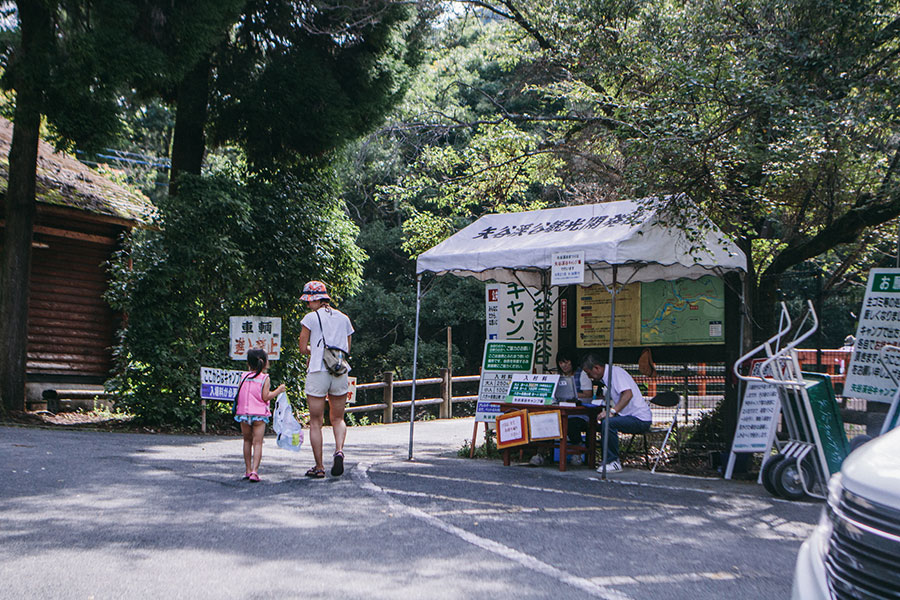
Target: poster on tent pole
(879, 325)
(501, 361)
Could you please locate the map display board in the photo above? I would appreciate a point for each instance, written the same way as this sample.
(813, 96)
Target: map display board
(592, 320)
(879, 325)
(658, 313)
(684, 311)
(501, 360)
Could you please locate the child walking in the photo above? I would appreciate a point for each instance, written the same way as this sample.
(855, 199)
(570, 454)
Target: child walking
(252, 411)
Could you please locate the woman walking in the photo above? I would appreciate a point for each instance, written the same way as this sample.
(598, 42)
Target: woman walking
(324, 326)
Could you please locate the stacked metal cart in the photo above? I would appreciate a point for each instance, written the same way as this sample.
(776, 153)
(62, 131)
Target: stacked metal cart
(816, 443)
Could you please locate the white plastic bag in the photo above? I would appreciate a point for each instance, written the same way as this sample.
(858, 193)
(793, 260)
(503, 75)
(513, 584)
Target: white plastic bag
(288, 430)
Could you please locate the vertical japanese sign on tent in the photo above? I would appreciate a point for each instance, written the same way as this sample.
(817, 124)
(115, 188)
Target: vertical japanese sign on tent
(514, 312)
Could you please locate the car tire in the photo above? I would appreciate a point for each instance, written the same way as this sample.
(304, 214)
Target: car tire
(768, 472)
(786, 477)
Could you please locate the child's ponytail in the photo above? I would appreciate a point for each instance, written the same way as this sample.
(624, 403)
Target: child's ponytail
(257, 359)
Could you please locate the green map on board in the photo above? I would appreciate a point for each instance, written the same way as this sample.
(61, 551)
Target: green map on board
(685, 311)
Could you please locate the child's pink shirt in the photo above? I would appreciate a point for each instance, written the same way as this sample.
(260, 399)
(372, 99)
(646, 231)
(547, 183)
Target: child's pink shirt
(250, 400)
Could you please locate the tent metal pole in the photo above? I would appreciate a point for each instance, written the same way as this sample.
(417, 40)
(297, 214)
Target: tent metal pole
(412, 406)
(545, 285)
(609, 367)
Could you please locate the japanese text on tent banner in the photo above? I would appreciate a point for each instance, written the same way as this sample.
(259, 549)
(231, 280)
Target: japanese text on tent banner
(879, 325)
(513, 312)
(255, 332)
(219, 384)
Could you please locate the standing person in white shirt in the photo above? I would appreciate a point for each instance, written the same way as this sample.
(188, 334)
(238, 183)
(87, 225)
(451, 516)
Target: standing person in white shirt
(324, 324)
(630, 412)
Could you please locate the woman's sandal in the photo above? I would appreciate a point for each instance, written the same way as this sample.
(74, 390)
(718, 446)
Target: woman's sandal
(317, 473)
(337, 468)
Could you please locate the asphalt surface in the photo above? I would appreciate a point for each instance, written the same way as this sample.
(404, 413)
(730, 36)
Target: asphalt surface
(107, 515)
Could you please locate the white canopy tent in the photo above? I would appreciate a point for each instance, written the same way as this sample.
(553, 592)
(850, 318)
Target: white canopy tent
(623, 242)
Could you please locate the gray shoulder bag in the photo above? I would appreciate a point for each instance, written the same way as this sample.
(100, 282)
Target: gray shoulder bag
(336, 359)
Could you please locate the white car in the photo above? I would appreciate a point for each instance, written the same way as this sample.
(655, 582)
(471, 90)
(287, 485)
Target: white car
(854, 551)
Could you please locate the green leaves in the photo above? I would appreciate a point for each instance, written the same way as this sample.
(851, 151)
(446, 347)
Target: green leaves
(222, 248)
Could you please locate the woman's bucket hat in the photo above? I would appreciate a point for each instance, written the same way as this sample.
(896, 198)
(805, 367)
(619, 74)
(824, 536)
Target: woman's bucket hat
(314, 290)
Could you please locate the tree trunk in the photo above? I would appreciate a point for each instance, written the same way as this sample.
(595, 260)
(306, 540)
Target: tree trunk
(189, 140)
(20, 202)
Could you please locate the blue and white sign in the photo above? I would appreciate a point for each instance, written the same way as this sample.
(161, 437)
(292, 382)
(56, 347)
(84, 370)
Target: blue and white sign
(219, 384)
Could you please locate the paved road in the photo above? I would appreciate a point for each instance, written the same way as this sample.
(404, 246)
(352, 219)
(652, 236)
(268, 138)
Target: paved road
(103, 515)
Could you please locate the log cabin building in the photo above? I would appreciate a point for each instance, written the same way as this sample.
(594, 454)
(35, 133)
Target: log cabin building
(80, 219)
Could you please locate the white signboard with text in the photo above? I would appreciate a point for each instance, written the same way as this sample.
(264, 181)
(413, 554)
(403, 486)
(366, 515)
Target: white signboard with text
(567, 268)
(879, 325)
(758, 420)
(528, 388)
(255, 332)
(758, 417)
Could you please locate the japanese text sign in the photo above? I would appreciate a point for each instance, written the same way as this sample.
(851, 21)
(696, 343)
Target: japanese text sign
(879, 325)
(500, 363)
(759, 415)
(567, 268)
(219, 384)
(514, 312)
(526, 388)
(512, 429)
(255, 332)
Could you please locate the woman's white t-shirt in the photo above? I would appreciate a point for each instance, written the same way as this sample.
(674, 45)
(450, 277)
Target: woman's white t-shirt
(337, 328)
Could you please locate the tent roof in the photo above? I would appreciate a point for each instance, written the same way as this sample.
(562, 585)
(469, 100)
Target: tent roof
(633, 235)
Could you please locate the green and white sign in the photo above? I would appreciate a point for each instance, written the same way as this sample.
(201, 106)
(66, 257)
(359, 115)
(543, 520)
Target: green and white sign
(502, 360)
(526, 388)
(508, 356)
(879, 325)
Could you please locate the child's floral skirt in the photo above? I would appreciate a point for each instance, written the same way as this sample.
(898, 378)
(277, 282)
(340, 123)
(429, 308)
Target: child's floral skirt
(251, 418)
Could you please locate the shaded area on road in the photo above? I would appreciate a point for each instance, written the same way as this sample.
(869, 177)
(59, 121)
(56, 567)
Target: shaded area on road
(129, 515)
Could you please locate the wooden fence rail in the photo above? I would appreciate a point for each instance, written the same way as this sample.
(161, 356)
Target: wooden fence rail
(387, 405)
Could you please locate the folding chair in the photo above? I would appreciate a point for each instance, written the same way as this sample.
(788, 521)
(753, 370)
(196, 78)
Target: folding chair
(666, 400)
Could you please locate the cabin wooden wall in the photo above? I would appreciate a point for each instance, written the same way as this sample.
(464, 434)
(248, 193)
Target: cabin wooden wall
(71, 328)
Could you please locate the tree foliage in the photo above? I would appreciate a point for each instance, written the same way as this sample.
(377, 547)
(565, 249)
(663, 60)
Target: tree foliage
(778, 118)
(443, 158)
(222, 248)
(68, 60)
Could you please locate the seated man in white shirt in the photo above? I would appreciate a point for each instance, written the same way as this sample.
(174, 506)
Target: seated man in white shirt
(630, 412)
